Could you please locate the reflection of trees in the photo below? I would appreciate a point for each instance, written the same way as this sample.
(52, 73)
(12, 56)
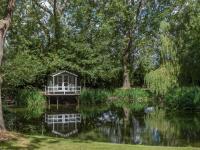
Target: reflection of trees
(160, 130)
(188, 125)
(123, 130)
(111, 126)
(135, 131)
(92, 112)
(112, 132)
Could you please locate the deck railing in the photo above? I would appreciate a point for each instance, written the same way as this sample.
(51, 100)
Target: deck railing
(62, 90)
(62, 118)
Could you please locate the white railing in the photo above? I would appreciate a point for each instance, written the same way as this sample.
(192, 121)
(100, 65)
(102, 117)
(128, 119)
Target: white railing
(66, 134)
(62, 90)
(62, 118)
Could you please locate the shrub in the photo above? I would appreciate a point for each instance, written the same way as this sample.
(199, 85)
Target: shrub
(93, 96)
(135, 98)
(183, 98)
(33, 101)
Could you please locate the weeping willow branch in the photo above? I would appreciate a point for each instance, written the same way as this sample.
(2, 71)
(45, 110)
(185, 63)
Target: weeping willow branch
(165, 76)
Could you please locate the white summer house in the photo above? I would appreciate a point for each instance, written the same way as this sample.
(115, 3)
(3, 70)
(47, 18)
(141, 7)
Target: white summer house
(62, 83)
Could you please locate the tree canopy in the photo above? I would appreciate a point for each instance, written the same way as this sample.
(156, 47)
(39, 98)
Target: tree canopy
(107, 43)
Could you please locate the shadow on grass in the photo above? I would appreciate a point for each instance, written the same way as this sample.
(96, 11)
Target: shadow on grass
(32, 143)
(36, 142)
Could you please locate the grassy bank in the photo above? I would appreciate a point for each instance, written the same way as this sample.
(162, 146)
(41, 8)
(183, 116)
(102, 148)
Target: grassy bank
(181, 98)
(23, 142)
(134, 98)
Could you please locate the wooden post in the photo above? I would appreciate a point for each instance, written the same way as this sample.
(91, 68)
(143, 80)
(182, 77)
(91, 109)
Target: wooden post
(75, 84)
(53, 123)
(68, 83)
(42, 129)
(53, 84)
(57, 102)
(78, 102)
(49, 100)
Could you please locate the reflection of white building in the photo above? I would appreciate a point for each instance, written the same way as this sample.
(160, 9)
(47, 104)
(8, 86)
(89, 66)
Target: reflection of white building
(63, 124)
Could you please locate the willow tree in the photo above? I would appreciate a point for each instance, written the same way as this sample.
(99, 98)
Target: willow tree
(165, 76)
(4, 25)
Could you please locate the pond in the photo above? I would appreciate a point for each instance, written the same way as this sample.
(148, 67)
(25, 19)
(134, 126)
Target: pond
(110, 124)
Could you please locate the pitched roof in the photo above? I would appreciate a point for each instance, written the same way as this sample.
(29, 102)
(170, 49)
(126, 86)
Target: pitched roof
(63, 71)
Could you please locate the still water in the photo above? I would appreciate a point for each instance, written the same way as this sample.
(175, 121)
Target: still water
(109, 124)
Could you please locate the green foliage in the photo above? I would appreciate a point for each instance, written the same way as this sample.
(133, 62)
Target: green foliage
(183, 98)
(93, 96)
(89, 37)
(33, 101)
(23, 69)
(188, 39)
(161, 80)
(3, 4)
(135, 98)
(164, 77)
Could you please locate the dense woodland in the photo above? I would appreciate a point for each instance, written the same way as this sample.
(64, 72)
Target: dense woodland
(152, 44)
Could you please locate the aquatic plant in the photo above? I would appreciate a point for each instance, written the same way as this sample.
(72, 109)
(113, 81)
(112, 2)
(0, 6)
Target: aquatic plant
(135, 98)
(33, 101)
(93, 96)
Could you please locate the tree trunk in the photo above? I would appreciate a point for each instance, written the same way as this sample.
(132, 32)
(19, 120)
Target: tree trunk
(126, 70)
(57, 25)
(4, 25)
(2, 126)
(126, 79)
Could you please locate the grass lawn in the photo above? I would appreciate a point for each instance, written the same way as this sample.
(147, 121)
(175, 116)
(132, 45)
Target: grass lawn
(23, 142)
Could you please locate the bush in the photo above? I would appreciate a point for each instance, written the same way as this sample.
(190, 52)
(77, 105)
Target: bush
(135, 98)
(33, 101)
(93, 96)
(183, 98)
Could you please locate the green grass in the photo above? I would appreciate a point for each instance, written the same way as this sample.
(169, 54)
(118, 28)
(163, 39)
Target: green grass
(50, 143)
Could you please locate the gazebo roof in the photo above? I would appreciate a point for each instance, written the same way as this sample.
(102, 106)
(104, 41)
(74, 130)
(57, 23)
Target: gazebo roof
(62, 71)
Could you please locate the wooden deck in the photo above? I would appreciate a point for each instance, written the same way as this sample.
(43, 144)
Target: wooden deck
(62, 90)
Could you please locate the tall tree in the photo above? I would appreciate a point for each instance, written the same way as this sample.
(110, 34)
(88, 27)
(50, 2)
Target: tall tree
(4, 25)
(124, 18)
(54, 10)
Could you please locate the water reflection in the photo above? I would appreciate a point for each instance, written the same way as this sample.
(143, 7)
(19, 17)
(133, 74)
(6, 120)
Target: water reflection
(63, 125)
(136, 131)
(108, 124)
(160, 130)
(155, 128)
